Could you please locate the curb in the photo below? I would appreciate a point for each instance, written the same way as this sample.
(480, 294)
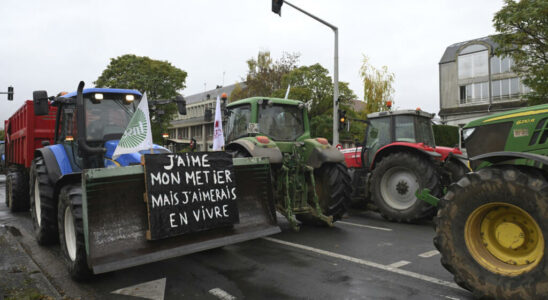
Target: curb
(21, 276)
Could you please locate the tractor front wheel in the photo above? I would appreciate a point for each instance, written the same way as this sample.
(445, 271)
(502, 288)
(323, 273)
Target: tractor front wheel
(489, 231)
(395, 180)
(71, 231)
(42, 206)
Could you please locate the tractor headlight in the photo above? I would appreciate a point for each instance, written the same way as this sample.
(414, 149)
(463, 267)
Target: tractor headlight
(130, 98)
(466, 133)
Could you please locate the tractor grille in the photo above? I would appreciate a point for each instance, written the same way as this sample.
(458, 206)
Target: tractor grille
(488, 138)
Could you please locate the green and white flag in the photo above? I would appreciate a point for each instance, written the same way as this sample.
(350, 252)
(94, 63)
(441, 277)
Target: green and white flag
(138, 134)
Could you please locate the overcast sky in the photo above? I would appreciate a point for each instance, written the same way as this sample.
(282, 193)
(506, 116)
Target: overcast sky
(52, 45)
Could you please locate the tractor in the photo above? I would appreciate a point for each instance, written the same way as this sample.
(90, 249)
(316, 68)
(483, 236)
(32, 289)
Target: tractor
(59, 160)
(398, 157)
(311, 182)
(491, 223)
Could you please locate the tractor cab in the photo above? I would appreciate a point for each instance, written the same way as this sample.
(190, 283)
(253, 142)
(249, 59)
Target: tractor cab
(279, 119)
(404, 126)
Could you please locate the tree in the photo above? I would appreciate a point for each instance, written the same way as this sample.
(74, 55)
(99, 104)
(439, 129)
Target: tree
(523, 28)
(264, 75)
(158, 79)
(313, 85)
(377, 86)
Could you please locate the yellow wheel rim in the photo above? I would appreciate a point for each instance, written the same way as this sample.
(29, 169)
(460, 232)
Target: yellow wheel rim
(504, 239)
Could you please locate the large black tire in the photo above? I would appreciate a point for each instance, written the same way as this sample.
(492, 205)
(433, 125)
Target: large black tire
(453, 171)
(71, 231)
(334, 191)
(17, 191)
(497, 189)
(43, 207)
(394, 182)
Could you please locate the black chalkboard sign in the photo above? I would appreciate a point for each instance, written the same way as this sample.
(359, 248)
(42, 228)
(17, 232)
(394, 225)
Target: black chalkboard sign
(189, 192)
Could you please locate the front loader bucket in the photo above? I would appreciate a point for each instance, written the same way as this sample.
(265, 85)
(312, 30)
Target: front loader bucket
(115, 217)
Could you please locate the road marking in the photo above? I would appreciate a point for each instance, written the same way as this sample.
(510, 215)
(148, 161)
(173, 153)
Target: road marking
(366, 263)
(363, 226)
(153, 290)
(429, 253)
(221, 294)
(399, 264)
(452, 298)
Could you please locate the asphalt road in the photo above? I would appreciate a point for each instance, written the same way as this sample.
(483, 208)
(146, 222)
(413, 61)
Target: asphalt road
(362, 257)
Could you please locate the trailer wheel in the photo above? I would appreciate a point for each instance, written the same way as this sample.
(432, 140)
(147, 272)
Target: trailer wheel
(394, 182)
(71, 231)
(43, 207)
(489, 231)
(17, 186)
(334, 191)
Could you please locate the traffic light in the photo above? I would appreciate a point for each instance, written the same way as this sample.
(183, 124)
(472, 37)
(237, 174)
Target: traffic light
(342, 119)
(192, 144)
(181, 104)
(277, 6)
(10, 93)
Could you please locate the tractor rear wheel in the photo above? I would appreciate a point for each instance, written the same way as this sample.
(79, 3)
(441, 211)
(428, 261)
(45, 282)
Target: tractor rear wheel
(17, 187)
(42, 205)
(490, 233)
(334, 191)
(71, 231)
(394, 182)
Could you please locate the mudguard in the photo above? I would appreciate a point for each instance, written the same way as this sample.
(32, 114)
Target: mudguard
(323, 155)
(273, 154)
(502, 156)
(52, 163)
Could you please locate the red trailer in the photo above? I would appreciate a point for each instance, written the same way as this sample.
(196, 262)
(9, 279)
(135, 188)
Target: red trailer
(24, 132)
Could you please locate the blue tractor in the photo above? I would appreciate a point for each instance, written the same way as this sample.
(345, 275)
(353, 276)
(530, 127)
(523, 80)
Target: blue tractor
(93, 204)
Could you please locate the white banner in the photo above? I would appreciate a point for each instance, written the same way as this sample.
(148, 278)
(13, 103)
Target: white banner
(138, 134)
(218, 136)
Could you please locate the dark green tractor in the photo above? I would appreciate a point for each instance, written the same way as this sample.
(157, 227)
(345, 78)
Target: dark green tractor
(311, 181)
(491, 223)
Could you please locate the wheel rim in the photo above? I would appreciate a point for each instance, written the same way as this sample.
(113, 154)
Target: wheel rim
(504, 239)
(70, 235)
(37, 204)
(398, 187)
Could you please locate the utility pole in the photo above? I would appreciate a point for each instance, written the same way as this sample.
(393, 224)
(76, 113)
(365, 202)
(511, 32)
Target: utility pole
(277, 8)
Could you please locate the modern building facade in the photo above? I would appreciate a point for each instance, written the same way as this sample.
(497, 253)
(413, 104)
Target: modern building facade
(474, 82)
(195, 124)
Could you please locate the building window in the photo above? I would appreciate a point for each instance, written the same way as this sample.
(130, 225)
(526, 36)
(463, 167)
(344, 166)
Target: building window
(196, 132)
(474, 93)
(507, 88)
(499, 65)
(209, 130)
(473, 62)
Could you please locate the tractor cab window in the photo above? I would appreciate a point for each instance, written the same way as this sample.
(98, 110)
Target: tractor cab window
(405, 129)
(425, 133)
(107, 119)
(281, 122)
(378, 134)
(236, 125)
(67, 124)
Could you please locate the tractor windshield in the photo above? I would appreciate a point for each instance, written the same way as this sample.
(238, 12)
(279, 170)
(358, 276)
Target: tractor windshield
(414, 129)
(425, 133)
(107, 119)
(281, 122)
(236, 125)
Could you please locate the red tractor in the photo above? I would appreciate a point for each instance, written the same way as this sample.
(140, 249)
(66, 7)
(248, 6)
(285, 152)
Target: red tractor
(398, 157)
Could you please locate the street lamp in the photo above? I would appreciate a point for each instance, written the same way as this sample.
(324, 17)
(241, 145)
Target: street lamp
(277, 8)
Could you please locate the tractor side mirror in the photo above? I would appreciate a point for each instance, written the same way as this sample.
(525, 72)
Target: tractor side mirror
(374, 133)
(41, 106)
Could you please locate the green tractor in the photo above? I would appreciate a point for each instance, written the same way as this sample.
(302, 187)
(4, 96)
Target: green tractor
(491, 224)
(311, 182)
